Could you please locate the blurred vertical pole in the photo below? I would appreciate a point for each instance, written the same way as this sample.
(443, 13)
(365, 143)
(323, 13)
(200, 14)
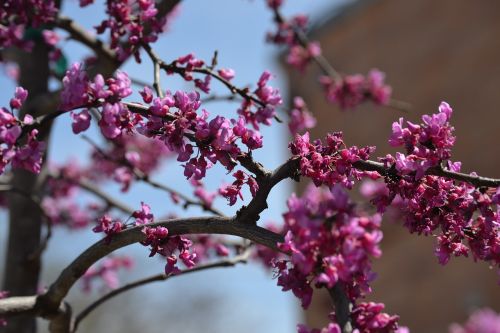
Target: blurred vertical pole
(22, 269)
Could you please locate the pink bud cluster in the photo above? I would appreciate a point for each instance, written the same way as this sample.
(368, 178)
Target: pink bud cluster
(300, 117)
(16, 16)
(329, 163)
(25, 156)
(107, 271)
(350, 91)
(481, 321)
(233, 191)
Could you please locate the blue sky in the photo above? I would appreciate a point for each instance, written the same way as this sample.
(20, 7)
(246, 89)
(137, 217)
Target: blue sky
(247, 298)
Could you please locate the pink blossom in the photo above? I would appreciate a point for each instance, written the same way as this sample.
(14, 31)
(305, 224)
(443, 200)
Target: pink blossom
(81, 121)
(481, 321)
(107, 271)
(75, 91)
(19, 98)
(300, 117)
(143, 216)
(109, 227)
(226, 73)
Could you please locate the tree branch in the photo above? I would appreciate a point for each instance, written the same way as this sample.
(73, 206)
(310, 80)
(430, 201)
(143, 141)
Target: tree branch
(342, 306)
(51, 300)
(230, 262)
(477, 181)
(173, 67)
(79, 34)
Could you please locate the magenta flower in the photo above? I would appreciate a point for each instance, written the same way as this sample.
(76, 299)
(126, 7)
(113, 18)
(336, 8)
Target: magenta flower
(81, 121)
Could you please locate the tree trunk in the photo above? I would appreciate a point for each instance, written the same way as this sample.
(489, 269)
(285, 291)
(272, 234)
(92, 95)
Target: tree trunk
(22, 269)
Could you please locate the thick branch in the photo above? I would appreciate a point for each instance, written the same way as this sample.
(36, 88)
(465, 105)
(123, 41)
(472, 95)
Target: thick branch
(79, 34)
(251, 213)
(50, 301)
(343, 307)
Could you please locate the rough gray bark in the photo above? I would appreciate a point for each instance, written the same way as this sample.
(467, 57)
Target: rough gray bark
(22, 269)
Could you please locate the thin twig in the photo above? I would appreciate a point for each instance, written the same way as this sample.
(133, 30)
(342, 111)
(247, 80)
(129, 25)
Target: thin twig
(156, 74)
(230, 262)
(174, 68)
(141, 176)
(79, 34)
(325, 65)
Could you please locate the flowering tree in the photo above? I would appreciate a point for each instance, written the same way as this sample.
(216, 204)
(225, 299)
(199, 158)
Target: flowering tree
(326, 241)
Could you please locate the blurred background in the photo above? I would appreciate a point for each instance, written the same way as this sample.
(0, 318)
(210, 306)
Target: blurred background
(431, 51)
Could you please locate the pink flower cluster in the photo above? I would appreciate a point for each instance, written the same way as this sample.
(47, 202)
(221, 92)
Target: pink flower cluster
(329, 163)
(268, 95)
(233, 191)
(481, 321)
(130, 25)
(300, 117)
(328, 242)
(174, 120)
(78, 92)
(109, 227)
(186, 64)
(299, 55)
(107, 272)
(16, 16)
(27, 156)
(466, 217)
(369, 318)
(426, 144)
(352, 90)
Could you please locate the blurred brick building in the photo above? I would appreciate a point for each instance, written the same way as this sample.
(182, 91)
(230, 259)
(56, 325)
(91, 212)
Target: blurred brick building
(431, 51)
